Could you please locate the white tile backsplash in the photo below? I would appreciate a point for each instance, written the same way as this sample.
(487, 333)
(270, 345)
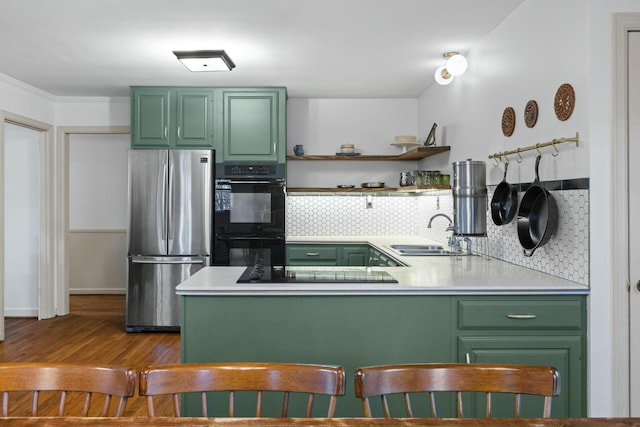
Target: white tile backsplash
(565, 255)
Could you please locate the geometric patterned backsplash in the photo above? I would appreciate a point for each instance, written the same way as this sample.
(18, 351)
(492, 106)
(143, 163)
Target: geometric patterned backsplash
(565, 255)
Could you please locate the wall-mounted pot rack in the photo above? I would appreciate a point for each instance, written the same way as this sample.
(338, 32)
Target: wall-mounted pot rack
(497, 157)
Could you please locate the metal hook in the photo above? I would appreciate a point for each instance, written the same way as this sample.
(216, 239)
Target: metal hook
(555, 149)
(505, 156)
(519, 159)
(495, 162)
(538, 149)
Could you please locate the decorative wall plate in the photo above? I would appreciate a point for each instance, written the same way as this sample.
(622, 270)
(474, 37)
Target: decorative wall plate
(564, 102)
(531, 113)
(508, 121)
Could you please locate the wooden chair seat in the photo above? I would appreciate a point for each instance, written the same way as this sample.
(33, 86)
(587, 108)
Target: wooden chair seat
(408, 379)
(66, 389)
(235, 377)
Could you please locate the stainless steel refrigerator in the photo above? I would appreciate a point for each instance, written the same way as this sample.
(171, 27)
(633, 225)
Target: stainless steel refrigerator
(169, 231)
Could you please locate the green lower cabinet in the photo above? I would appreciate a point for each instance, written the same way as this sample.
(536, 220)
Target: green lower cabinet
(346, 330)
(562, 352)
(354, 256)
(310, 255)
(530, 330)
(366, 330)
(328, 254)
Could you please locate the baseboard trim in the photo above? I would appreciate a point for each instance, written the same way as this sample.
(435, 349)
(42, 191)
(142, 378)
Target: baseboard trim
(97, 291)
(21, 312)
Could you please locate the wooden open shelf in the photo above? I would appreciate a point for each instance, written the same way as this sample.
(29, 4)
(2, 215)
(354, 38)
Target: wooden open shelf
(409, 189)
(415, 154)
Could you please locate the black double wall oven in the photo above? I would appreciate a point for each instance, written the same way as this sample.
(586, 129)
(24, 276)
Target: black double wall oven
(249, 218)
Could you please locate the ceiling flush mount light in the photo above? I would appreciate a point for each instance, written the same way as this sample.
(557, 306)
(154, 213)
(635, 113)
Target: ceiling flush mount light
(455, 65)
(205, 60)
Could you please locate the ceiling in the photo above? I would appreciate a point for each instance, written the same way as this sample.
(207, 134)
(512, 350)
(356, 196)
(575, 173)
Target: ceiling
(316, 48)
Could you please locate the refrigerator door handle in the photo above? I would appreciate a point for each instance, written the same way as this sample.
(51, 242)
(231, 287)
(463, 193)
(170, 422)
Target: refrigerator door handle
(170, 210)
(164, 203)
(202, 261)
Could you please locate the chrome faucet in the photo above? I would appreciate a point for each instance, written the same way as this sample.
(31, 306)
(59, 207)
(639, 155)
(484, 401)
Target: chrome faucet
(451, 227)
(454, 243)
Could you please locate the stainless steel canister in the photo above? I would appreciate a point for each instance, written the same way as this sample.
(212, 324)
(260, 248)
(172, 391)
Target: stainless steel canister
(469, 190)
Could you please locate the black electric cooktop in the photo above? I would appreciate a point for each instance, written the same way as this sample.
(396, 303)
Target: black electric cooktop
(266, 274)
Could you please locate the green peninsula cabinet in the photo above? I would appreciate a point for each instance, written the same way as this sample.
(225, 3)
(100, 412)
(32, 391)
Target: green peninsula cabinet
(347, 330)
(164, 117)
(254, 125)
(372, 329)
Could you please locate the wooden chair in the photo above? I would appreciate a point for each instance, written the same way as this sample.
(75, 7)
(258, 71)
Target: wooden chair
(234, 377)
(61, 388)
(386, 380)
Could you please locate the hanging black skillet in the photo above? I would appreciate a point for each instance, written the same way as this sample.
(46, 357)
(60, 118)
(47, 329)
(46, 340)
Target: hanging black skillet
(537, 216)
(504, 203)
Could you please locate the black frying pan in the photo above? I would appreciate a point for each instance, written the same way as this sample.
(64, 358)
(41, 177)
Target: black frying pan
(504, 203)
(537, 216)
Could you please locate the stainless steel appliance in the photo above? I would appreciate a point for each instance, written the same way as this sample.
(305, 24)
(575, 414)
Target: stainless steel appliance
(250, 215)
(469, 198)
(169, 232)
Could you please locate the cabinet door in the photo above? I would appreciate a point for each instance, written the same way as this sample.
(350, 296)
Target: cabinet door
(354, 256)
(194, 118)
(150, 117)
(251, 125)
(565, 353)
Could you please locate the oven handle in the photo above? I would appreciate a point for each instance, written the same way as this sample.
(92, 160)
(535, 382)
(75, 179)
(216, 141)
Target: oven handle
(220, 237)
(255, 182)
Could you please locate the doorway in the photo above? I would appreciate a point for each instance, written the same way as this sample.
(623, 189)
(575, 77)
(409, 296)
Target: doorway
(21, 220)
(42, 264)
(625, 253)
(634, 215)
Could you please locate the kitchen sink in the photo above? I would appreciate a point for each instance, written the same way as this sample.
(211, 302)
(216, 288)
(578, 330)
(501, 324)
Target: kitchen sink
(421, 250)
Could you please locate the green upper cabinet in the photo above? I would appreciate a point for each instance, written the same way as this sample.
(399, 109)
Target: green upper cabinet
(254, 125)
(194, 118)
(150, 117)
(172, 117)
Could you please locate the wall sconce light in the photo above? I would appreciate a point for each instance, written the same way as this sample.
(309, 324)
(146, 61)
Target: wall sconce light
(205, 60)
(455, 65)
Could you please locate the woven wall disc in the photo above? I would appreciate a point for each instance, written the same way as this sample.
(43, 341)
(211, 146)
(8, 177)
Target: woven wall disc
(564, 102)
(531, 113)
(508, 121)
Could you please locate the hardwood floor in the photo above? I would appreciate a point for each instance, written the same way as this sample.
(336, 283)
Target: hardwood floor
(93, 332)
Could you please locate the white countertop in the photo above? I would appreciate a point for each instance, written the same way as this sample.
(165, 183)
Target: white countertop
(422, 275)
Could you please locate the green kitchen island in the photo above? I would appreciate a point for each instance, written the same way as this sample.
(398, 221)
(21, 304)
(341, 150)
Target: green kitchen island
(443, 309)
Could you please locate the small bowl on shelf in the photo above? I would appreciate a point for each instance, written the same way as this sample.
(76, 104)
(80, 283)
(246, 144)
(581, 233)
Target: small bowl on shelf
(347, 148)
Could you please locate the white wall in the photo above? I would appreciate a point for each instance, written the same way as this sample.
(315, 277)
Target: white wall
(98, 181)
(541, 45)
(24, 100)
(322, 125)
